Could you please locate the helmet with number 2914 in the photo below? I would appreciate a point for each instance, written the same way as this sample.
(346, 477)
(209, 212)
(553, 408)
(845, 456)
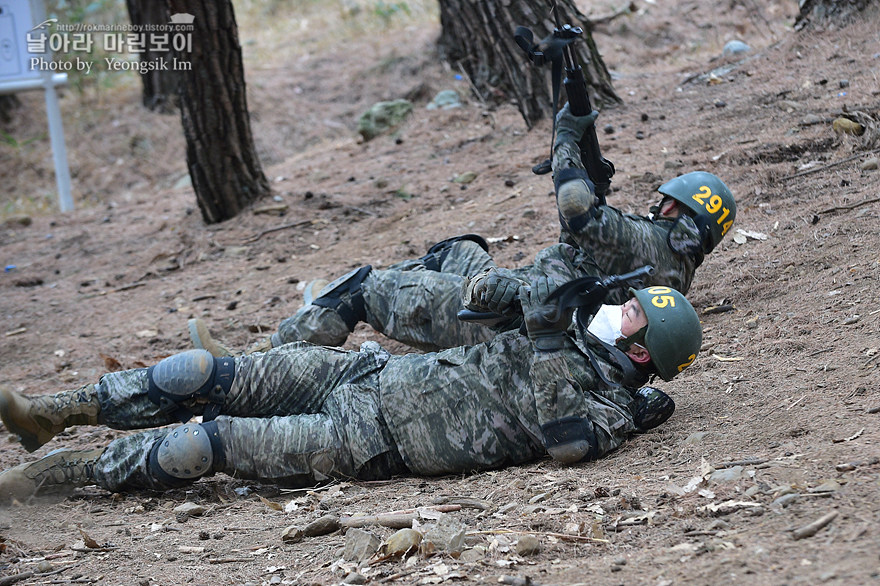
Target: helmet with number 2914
(710, 200)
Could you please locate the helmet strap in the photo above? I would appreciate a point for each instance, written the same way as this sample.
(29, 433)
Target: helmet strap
(636, 338)
(705, 234)
(632, 373)
(625, 345)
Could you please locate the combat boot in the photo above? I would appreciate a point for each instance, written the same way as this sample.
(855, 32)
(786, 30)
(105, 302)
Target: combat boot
(202, 340)
(36, 420)
(436, 256)
(57, 473)
(263, 345)
(313, 290)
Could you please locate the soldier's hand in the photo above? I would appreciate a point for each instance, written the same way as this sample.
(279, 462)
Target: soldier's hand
(545, 321)
(570, 127)
(493, 291)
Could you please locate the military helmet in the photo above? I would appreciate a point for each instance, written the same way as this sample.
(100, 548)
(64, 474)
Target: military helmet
(673, 335)
(709, 198)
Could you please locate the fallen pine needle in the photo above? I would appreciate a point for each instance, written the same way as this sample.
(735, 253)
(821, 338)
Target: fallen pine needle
(299, 224)
(850, 438)
(727, 358)
(557, 535)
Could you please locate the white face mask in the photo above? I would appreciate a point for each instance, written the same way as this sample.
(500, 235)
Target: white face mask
(606, 323)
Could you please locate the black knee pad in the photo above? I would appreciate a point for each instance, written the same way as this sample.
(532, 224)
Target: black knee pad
(188, 452)
(433, 261)
(345, 296)
(190, 375)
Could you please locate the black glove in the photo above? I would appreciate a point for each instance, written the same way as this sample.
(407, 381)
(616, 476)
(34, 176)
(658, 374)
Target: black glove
(493, 291)
(545, 322)
(570, 127)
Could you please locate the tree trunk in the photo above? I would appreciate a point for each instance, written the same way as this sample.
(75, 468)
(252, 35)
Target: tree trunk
(159, 87)
(477, 36)
(223, 164)
(818, 12)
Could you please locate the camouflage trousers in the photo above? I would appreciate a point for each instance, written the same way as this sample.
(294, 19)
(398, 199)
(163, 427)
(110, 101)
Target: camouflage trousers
(411, 304)
(420, 307)
(406, 302)
(297, 415)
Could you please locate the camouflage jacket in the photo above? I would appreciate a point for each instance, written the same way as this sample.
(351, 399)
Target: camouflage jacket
(613, 243)
(476, 407)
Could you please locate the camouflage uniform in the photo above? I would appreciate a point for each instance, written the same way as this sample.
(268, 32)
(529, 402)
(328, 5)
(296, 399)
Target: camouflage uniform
(406, 302)
(302, 414)
(672, 246)
(419, 307)
(411, 304)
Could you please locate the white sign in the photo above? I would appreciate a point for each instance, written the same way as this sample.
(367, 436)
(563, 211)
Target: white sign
(17, 31)
(15, 22)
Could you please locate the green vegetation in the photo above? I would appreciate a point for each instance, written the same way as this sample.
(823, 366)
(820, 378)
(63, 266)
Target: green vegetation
(9, 140)
(84, 12)
(388, 10)
(270, 27)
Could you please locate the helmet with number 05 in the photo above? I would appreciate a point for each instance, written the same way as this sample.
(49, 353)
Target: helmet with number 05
(709, 198)
(673, 335)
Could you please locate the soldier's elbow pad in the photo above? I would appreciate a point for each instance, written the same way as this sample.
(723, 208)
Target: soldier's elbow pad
(575, 198)
(651, 407)
(570, 453)
(570, 440)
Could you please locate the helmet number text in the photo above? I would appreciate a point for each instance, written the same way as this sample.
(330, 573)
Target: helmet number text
(714, 204)
(690, 361)
(660, 297)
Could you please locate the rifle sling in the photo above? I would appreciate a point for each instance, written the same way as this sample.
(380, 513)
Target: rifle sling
(631, 377)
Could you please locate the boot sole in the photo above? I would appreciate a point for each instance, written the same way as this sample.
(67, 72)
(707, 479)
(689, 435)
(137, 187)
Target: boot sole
(28, 440)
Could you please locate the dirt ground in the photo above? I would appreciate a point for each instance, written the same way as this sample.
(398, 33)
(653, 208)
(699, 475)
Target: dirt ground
(776, 424)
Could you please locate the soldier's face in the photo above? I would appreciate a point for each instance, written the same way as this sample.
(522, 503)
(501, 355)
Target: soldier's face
(669, 208)
(633, 319)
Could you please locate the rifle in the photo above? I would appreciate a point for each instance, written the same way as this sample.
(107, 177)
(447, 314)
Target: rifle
(558, 50)
(586, 293)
